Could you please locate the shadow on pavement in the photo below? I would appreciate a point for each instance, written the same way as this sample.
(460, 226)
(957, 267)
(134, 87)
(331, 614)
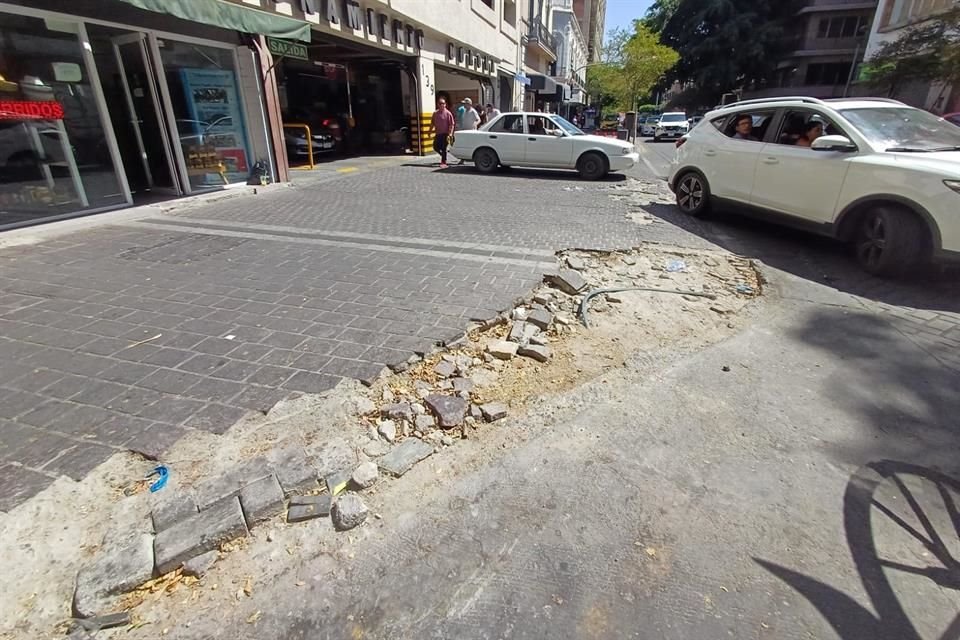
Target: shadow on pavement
(818, 259)
(517, 172)
(890, 541)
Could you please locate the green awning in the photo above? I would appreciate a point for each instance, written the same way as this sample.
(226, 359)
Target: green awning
(230, 16)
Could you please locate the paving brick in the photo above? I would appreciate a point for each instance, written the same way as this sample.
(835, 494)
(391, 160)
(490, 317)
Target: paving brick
(261, 500)
(196, 535)
(404, 456)
(169, 506)
(229, 483)
(18, 484)
(304, 508)
(215, 418)
(170, 381)
(259, 398)
(120, 564)
(215, 390)
(310, 382)
(78, 460)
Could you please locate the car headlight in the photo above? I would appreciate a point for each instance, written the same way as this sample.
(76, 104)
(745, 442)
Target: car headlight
(627, 150)
(953, 184)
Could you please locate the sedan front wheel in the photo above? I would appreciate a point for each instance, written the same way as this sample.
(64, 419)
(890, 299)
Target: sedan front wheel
(486, 160)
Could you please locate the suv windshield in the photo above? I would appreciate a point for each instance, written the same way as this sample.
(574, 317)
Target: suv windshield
(904, 129)
(567, 126)
(674, 117)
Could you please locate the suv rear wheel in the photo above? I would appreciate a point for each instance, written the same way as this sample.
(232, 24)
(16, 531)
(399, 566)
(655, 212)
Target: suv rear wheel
(693, 194)
(890, 241)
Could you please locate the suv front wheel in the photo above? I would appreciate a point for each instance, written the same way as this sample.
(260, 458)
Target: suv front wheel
(890, 241)
(693, 194)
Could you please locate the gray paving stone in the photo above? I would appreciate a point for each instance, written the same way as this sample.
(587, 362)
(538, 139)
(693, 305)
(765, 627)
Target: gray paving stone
(18, 484)
(169, 506)
(403, 457)
(568, 281)
(196, 535)
(493, 411)
(261, 500)
(308, 507)
(540, 318)
(124, 561)
(198, 566)
(293, 469)
(218, 488)
(535, 352)
(449, 410)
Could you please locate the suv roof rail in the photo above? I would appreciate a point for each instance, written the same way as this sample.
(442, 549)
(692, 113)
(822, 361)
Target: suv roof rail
(739, 103)
(887, 100)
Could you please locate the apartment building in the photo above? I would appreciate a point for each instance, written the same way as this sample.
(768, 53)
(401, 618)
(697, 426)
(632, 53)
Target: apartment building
(572, 55)
(591, 14)
(111, 103)
(827, 45)
(539, 57)
(893, 19)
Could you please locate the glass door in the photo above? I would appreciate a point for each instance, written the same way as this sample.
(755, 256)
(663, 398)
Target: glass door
(154, 170)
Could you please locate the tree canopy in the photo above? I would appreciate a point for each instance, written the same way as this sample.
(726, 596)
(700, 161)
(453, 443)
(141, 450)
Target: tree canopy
(724, 44)
(929, 51)
(632, 62)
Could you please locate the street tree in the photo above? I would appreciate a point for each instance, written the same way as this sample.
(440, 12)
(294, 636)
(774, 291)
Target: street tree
(929, 51)
(659, 14)
(725, 44)
(632, 63)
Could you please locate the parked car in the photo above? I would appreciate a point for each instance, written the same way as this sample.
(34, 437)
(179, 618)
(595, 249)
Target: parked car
(542, 140)
(610, 122)
(649, 126)
(298, 151)
(671, 125)
(953, 118)
(882, 175)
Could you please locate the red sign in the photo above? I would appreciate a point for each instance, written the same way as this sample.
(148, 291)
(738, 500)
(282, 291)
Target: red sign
(30, 110)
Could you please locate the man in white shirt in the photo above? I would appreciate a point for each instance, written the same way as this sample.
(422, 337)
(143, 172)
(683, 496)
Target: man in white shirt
(470, 120)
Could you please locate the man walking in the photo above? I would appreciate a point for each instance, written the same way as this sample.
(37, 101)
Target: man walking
(492, 112)
(470, 119)
(443, 125)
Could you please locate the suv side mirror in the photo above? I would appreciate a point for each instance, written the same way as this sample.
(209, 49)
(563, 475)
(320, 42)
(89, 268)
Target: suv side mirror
(833, 143)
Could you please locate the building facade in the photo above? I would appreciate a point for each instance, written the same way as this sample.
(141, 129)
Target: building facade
(591, 14)
(112, 103)
(538, 52)
(572, 56)
(828, 43)
(893, 19)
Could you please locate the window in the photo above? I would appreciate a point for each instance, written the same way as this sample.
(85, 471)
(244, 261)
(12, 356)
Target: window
(510, 12)
(803, 126)
(510, 123)
(760, 121)
(843, 27)
(489, 3)
(829, 73)
(540, 126)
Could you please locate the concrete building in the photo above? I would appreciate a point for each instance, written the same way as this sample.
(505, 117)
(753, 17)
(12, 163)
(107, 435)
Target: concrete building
(539, 57)
(572, 55)
(111, 103)
(827, 46)
(592, 14)
(893, 18)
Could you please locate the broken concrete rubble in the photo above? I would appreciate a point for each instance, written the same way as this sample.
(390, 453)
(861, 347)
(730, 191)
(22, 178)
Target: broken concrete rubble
(308, 507)
(124, 561)
(502, 349)
(493, 411)
(536, 352)
(388, 429)
(348, 512)
(568, 281)
(198, 534)
(403, 457)
(449, 410)
(365, 475)
(541, 318)
(198, 567)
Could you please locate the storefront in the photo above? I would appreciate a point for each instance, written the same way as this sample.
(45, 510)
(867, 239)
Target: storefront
(97, 114)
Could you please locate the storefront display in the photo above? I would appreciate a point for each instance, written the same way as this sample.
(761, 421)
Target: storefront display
(54, 157)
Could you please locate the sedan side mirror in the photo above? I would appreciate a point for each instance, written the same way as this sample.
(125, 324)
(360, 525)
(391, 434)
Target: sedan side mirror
(833, 143)
(558, 133)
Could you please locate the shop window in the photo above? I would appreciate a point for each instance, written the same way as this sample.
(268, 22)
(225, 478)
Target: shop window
(207, 107)
(830, 73)
(54, 156)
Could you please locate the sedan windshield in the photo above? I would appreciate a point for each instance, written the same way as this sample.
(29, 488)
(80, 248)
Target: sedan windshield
(904, 129)
(569, 128)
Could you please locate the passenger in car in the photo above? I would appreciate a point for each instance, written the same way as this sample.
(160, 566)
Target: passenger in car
(793, 130)
(744, 128)
(811, 132)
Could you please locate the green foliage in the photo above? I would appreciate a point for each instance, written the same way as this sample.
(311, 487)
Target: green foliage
(659, 14)
(632, 63)
(726, 44)
(925, 52)
(648, 108)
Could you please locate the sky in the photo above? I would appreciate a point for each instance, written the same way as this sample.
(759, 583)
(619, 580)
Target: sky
(620, 13)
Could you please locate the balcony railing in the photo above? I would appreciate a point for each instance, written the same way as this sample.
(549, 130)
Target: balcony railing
(539, 34)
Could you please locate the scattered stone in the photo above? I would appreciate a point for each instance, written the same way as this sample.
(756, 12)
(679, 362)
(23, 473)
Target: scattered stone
(261, 500)
(536, 352)
(449, 410)
(540, 318)
(614, 298)
(628, 260)
(692, 298)
(364, 405)
(419, 409)
(420, 384)
(543, 298)
(271, 536)
(475, 412)
(462, 385)
(228, 485)
(101, 623)
(348, 512)
(517, 332)
(502, 349)
(366, 475)
(198, 534)
(372, 433)
(424, 423)
(337, 482)
(540, 340)
(565, 319)
(403, 457)
(398, 411)
(446, 441)
(445, 385)
(576, 263)
(448, 357)
(387, 396)
(388, 429)
(308, 507)
(493, 411)
(488, 358)
(124, 561)
(171, 506)
(377, 449)
(445, 369)
(423, 393)
(198, 567)
(464, 362)
(519, 314)
(725, 369)
(568, 281)
(293, 469)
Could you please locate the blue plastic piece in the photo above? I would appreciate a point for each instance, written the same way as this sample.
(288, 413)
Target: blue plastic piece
(163, 473)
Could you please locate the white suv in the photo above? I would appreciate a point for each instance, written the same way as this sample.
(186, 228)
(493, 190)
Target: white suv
(871, 171)
(671, 125)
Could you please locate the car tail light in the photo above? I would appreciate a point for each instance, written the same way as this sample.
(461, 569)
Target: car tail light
(326, 122)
